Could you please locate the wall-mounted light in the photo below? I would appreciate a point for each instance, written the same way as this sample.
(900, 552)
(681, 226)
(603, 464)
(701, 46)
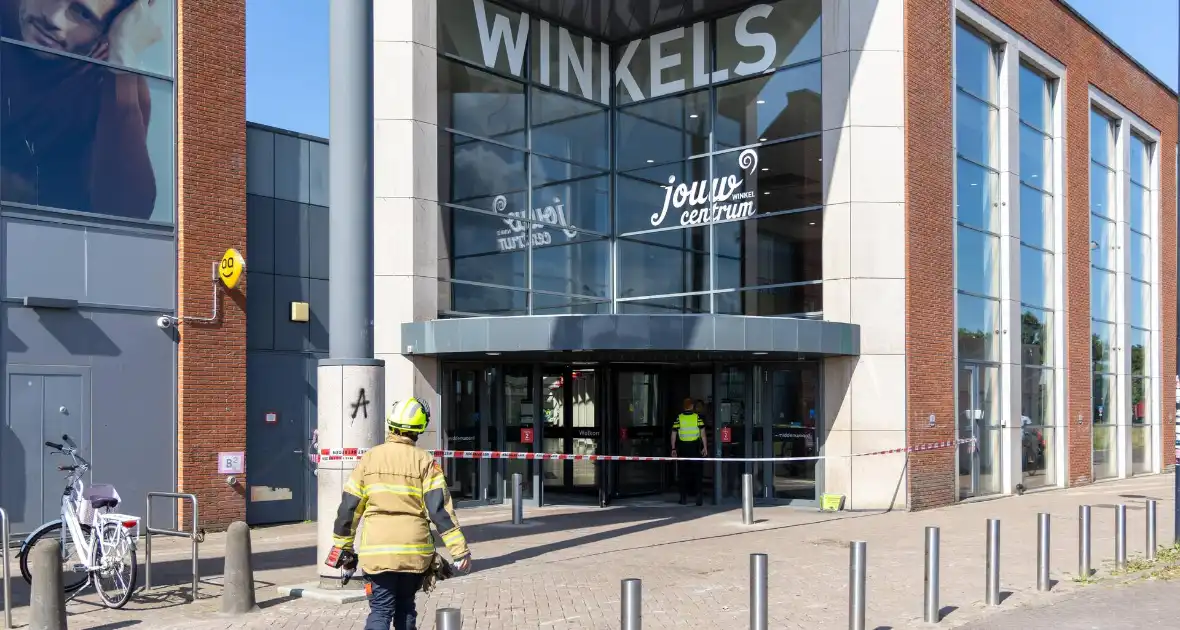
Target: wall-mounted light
(300, 312)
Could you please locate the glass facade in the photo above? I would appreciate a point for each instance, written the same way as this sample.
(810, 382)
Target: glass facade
(1037, 278)
(1103, 282)
(693, 185)
(88, 118)
(978, 264)
(1140, 303)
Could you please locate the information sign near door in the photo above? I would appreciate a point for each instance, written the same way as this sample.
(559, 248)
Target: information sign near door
(526, 436)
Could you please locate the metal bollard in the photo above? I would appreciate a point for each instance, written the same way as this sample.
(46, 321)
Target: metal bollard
(1084, 541)
(517, 499)
(747, 499)
(631, 617)
(6, 579)
(1043, 552)
(1152, 546)
(857, 569)
(993, 562)
(1120, 537)
(930, 600)
(759, 593)
(448, 619)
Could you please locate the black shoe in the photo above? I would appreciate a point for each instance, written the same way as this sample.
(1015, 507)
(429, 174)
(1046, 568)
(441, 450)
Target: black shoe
(683, 501)
(700, 501)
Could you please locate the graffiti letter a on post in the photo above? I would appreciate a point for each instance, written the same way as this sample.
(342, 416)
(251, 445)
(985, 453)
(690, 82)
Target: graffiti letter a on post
(361, 405)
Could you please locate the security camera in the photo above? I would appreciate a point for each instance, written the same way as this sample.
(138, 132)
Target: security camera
(164, 322)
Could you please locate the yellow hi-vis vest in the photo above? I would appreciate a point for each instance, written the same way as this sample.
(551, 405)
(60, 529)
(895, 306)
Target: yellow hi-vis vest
(688, 427)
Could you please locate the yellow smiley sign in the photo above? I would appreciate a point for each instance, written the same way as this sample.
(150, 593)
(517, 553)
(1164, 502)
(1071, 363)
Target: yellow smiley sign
(232, 268)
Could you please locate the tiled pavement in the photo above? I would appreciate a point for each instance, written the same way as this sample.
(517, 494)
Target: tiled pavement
(563, 567)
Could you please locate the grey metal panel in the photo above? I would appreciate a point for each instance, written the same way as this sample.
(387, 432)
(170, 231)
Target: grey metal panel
(260, 234)
(260, 311)
(133, 410)
(23, 461)
(290, 336)
(810, 336)
(44, 259)
(318, 301)
(785, 335)
(317, 230)
(131, 269)
(291, 240)
(319, 174)
(260, 162)
(696, 333)
(292, 169)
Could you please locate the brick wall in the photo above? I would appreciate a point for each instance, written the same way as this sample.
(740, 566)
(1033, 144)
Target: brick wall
(1089, 60)
(211, 159)
(929, 227)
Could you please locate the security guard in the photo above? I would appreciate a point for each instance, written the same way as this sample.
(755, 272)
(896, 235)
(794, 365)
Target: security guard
(687, 437)
(398, 489)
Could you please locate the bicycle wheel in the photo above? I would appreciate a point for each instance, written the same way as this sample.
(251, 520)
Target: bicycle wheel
(115, 581)
(72, 578)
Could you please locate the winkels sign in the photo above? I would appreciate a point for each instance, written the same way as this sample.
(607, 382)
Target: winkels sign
(703, 202)
(579, 65)
(516, 235)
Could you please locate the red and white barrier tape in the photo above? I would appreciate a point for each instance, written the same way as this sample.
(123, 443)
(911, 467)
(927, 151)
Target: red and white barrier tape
(354, 454)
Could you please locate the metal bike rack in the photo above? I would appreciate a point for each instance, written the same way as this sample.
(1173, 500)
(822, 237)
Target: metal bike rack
(196, 535)
(5, 534)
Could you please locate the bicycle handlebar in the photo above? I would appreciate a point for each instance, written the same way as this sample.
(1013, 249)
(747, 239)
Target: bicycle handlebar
(53, 445)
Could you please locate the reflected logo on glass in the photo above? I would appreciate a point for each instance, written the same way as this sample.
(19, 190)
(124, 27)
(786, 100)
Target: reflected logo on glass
(727, 204)
(516, 235)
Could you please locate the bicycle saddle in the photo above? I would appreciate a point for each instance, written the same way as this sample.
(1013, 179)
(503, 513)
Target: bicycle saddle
(102, 496)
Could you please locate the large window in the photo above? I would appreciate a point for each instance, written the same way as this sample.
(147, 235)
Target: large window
(700, 192)
(88, 117)
(1103, 282)
(978, 263)
(1140, 303)
(1037, 274)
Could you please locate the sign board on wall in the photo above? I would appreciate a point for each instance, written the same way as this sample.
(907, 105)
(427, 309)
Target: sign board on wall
(526, 436)
(231, 463)
(272, 417)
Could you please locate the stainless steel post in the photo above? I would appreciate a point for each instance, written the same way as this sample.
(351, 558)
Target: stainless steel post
(1042, 552)
(517, 499)
(196, 553)
(993, 562)
(759, 593)
(857, 562)
(147, 546)
(1151, 529)
(1120, 537)
(448, 619)
(6, 578)
(930, 600)
(747, 499)
(631, 617)
(1084, 541)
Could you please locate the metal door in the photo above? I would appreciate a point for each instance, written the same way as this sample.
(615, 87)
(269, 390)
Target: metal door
(278, 437)
(43, 404)
(790, 429)
(466, 427)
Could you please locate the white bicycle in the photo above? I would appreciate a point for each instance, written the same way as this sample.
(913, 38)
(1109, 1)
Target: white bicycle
(97, 545)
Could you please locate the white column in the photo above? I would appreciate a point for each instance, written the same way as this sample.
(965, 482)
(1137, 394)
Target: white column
(864, 255)
(405, 216)
(1010, 460)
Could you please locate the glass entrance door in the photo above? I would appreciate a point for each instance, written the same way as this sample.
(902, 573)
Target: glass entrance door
(790, 396)
(464, 421)
(979, 420)
(642, 432)
(572, 425)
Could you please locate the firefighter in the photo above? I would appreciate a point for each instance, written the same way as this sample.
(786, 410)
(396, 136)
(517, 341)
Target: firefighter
(687, 440)
(399, 490)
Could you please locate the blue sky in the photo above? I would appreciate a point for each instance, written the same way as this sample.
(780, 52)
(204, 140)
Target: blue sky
(287, 53)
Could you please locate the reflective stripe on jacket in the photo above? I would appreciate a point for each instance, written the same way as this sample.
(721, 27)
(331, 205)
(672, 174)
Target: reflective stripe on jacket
(688, 427)
(399, 489)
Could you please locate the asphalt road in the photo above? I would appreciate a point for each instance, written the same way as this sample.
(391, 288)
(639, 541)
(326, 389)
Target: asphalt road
(1130, 607)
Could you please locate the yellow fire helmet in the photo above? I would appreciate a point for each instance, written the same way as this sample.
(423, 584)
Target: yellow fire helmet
(409, 416)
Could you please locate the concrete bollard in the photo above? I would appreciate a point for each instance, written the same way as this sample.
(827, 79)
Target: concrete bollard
(237, 598)
(48, 598)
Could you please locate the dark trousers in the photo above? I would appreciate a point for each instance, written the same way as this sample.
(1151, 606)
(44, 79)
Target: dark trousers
(690, 472)
(392, 601)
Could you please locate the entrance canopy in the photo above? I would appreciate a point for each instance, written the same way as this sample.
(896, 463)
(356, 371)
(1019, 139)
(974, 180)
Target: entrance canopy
(632, 337)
